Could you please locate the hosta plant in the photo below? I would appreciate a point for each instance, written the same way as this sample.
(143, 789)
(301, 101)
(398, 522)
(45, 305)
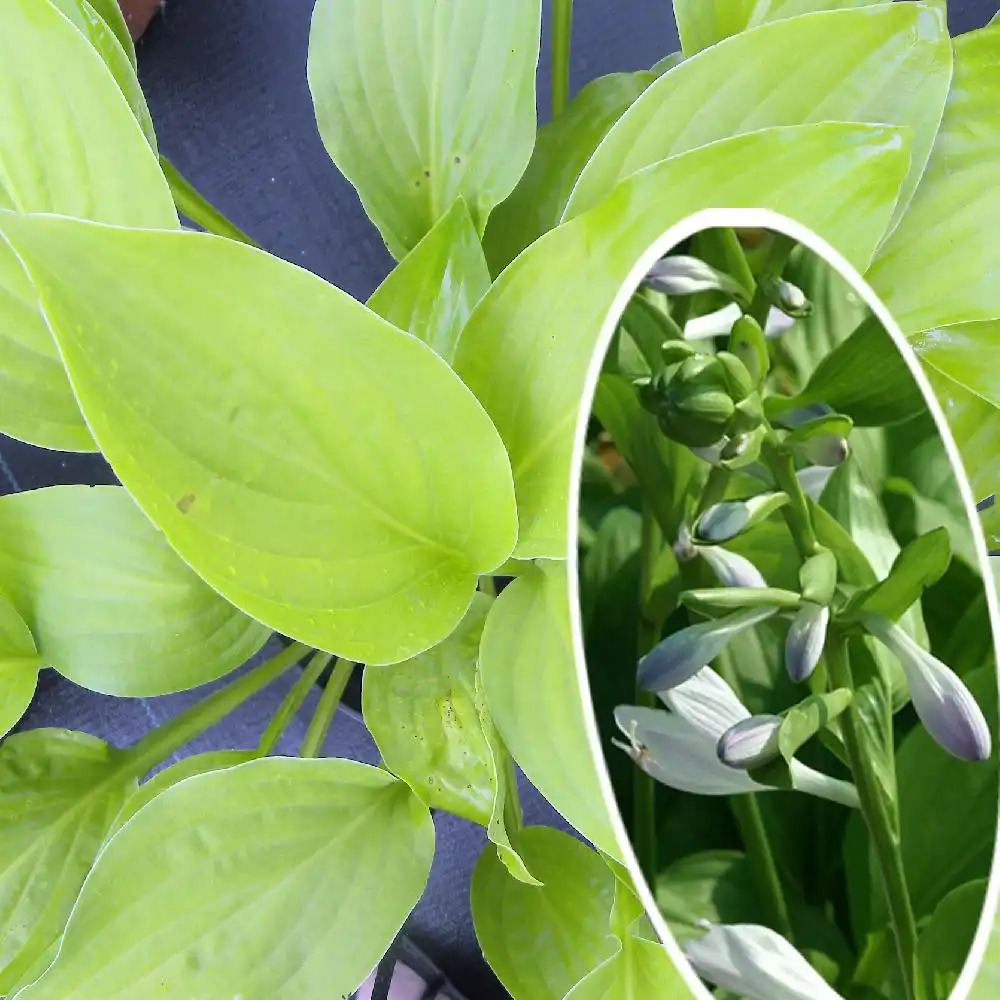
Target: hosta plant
(773, 531)
(356, 476)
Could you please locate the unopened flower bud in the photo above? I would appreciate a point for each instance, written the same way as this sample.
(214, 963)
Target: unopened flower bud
(750, 743)
(739, 381)
(683, 275)
(681, 655)
(732, 569)
(747, 342)
(789, 298)
(730, 518)
(828, 451)
(805, 641)
(676, 351)
(943, 703)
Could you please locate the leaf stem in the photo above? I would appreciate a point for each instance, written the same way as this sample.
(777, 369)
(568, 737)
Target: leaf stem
(796, 513)
(158, 745)
(197, 208)
(329, 702)
(293, 701)
(881, 828)
(777, 257)
(644, 797)
(746, 812)
(562, 30)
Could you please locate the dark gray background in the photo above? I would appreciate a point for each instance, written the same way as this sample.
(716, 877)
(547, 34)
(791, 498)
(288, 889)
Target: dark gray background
(226, 85)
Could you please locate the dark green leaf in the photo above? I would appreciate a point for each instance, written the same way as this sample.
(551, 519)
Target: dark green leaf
(945, 942)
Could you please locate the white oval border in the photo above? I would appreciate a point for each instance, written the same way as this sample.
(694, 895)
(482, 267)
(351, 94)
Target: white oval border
(757, 218)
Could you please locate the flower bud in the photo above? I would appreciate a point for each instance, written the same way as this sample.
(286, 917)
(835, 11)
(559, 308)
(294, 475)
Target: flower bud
(750, 743)
(813, 480)
(827, 450)
(944, 704)
(694, 406)
(818, 577)
(676, 351)
(747, 342)
(806, 637)
(756, 963)
(789, 298)
(682, 275)
(742, 449)
(726, 520)
(681, 655)
(739, 381)
(732, 569)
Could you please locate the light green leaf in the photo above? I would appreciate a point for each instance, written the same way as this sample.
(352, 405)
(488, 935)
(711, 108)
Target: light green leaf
(562, 149)
(967, 353)
(70, 144)
(436, 286)
(811, 715)
(424, 714)
(701, 23)
(111, 12)
(922, 563)
(545, 313)
(533, 691)
(945, 942)
(110, 605)
(324, 471)
(118, 59)
(939, 266)
(421, 101)
(891, 64)
(19, 664)
(339, 850)
(187, 767)
(641, 968)
(540, 941)
(59, 793)
(887, 394)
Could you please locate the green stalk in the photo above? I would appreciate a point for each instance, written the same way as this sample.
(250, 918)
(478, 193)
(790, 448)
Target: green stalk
(725, 243)
(293, 701)
(156, 746)
(562, 30)
(881, 828)
(714, 489)
(796, 513)
(746, 812)
(190, 203)
(777, 257)
(644, 796)
(329, 702)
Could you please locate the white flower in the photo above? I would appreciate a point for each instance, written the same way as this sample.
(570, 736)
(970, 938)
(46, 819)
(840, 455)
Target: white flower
(679, 748)
(681, 275)
(756, 963)
(944, 704)
(720, 322)
(806, 636)
(813, 480)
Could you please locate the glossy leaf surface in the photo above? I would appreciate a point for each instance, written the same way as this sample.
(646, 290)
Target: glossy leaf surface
(433, 290)
(110, 604)
(339, 850)
(324, 471)
(69, 144)
(19, 664)
(59, 793)
(562, 149)
(937, 268)
(891, 64)
(420, 101)
(541, 941)
(545, 313)
(532, 690)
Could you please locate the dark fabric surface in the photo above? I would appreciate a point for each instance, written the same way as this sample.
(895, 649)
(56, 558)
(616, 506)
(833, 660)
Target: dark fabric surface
(225, 80)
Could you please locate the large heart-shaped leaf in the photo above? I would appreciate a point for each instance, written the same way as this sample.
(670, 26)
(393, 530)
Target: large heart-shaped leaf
(324, 471)
(59, 793)
(528, 346)
(109, 603)
(436, 286)
(939, 267)
(701, 23)
(967, 353)
(420, 101)
(533, 691)
(69, 143)
(562, 149)
(542, 940)
(201, 883)
(890, 63)
(19, 664)
(110, 12)
(641, 968)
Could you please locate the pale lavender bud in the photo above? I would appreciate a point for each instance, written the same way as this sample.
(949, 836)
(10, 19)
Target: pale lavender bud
(682, 275)
(813, 480)
(806, 636)
(750, 743)
(726, 520)
(681, 655)
(827, 450)
(944, 704)
(732, 569)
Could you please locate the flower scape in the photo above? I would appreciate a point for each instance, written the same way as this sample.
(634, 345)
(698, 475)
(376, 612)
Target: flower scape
(776, 541)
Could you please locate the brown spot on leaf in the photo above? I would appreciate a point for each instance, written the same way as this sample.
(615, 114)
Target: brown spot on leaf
(185, 502)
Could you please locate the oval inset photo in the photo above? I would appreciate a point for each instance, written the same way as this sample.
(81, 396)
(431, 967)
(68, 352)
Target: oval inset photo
(788, 639)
